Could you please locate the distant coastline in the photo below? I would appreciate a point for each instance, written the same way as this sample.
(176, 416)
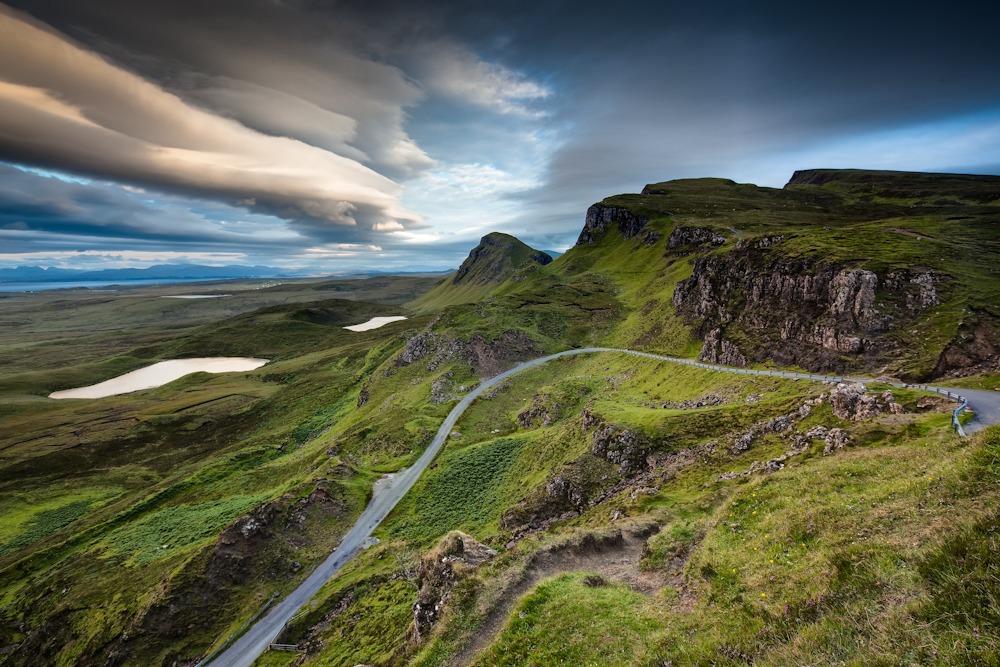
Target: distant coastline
(78, 284)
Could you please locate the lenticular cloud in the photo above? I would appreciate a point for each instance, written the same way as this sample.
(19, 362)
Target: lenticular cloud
(66, 107)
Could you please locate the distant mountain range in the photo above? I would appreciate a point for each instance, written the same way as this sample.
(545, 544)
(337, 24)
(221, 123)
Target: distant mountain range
(169, 272)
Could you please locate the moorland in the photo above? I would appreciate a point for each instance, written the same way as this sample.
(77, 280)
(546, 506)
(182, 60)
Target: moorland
(597, 509)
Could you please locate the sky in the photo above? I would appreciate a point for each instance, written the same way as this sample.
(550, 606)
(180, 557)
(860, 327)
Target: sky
(324, 136)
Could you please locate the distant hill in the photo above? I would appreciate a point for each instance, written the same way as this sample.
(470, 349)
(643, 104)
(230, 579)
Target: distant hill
(164, 271)
(841, 270)
(497, 259)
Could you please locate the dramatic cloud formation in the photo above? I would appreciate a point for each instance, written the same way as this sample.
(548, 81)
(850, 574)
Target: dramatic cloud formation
(67, 107)
(376, 132)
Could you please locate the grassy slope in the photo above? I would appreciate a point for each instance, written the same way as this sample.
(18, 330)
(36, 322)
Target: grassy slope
(607, 293)
(120, 500)
(618, 293)
(832, 223)
(479, 276)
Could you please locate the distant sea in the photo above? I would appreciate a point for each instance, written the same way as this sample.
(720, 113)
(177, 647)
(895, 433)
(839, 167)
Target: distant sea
(37, 287)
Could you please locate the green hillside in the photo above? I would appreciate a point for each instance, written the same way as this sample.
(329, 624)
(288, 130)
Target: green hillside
(490, 264)
(599, 509)
(847, 271)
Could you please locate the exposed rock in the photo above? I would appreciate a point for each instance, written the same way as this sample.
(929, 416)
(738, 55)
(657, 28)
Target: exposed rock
(693, 236)
(623, 447)
(759, 242)
(709, 400)
(927, 295)
(418, 347)
(541, 409)
(487, 359)
(852, 295)
(716, 350)
(451, 561)
(853, 402)
(491, 358)
(835, 439)
(799, 312)
(775, 425)
(562, 487)
(600, 217)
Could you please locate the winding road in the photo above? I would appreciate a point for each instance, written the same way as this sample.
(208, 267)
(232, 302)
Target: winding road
(390, 490)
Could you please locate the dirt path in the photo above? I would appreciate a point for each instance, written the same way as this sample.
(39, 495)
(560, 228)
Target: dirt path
(619, 563)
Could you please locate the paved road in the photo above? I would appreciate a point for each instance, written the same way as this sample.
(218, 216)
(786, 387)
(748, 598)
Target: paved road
(390, 491)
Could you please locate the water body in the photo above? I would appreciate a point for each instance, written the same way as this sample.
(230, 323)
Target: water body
(374, 323)
(160, 374)
(198, 296)
(38, 287)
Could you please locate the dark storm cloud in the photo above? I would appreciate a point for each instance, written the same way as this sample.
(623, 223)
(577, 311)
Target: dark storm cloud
(327, 114)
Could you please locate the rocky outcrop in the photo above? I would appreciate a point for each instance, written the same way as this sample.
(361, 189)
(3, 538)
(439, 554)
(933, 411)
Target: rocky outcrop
(852, 402)
(541, 257)
(600, 217)
(453, 559)
(418, 347)
(693, 236)
(852, 299)
(626, 449)
(835, 439)
(542, 410)
(493, 358)
(776, 425)
(798, 311)
(717, 350)
(485, 358)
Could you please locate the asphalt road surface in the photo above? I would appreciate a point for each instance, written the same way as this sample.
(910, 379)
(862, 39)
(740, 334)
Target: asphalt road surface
(390, 490)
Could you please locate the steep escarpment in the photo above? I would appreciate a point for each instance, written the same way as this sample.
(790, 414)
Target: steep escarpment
(600, 217)
(756, 303)
(841, 271)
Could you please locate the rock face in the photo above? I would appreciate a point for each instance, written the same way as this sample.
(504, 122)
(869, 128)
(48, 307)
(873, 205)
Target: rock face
(852, 402)
(797, 311)
(485, 358)
(542, 411)
(600, 217)
(627, 449)
(693, 236)
(719, 351)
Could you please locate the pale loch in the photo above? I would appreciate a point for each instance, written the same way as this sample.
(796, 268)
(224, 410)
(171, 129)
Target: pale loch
(374, 323)
(197, 296)
(160, 374)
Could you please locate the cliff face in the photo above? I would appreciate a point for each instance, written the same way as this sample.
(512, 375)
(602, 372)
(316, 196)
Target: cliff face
(755, 304)
(600, 217)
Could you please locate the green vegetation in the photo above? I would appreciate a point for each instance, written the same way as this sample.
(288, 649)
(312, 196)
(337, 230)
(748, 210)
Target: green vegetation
(497, 259)
(619, 510)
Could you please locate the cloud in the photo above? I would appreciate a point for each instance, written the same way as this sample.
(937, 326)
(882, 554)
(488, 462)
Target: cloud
(66, 107)
(38, 210)
(75, 259)
(455, 72)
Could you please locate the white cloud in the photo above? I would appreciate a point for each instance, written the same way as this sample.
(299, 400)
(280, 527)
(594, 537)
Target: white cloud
(67, 107)
(455, 72)
(118, 258)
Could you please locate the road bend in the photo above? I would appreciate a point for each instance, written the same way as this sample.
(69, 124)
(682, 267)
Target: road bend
(390, 490)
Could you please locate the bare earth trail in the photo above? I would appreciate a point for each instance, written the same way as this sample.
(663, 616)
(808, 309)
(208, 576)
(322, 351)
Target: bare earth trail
(618, 563)
(243, 652)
